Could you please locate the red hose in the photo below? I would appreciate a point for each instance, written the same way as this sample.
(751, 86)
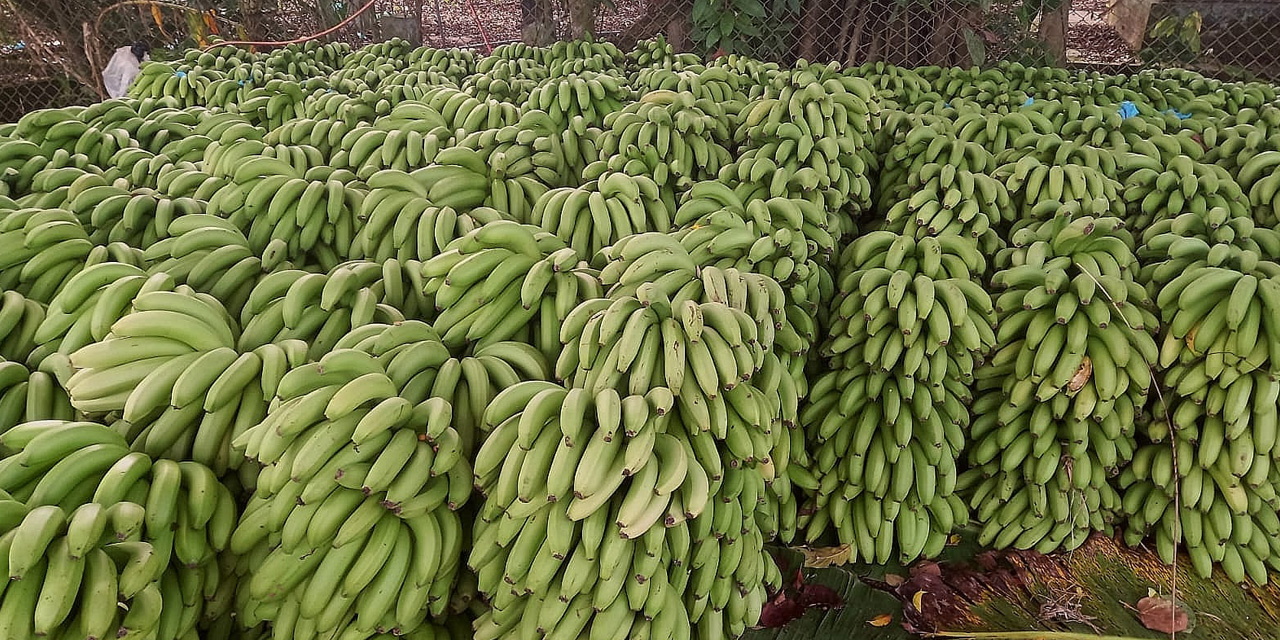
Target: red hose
(488, 48)
(283, 43)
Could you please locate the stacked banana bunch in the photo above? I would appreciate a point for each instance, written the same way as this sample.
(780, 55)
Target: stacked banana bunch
(406, 227)
(84, 310)
(604, 210)
(1060, 395)
(211, 255)
(940, 185)
(1043, 172)
(590, 94)
(535, 148)
(652, 53)
(299, 200)
(407, 138)
(103, 525)
(510, 81)
(42, 249)
(468, 383)
(808, 138)
(168, 377)
(491, 284)
(1260, 172)
(27, 396)
(320, 308)
(685, 74)
(1216, 301)
(461, 110)
(566, 57)
(676, 138)
(351, 528)
(1161, 191)
(609, 516)
(137, 217)
(885, 426)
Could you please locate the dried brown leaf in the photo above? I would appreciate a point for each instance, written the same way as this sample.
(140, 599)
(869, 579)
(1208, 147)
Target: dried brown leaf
(823, 557)
(893, 579)
(1081, 376)
(881, 620)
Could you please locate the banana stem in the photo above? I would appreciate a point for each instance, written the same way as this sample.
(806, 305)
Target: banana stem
(1025, 635)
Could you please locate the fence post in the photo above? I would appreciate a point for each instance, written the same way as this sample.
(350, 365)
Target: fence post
(1053, 31)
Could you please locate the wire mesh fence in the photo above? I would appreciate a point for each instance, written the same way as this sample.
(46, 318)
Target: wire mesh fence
(52, 51)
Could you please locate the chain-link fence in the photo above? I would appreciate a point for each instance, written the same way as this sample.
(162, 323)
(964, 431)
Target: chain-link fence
(52, 51)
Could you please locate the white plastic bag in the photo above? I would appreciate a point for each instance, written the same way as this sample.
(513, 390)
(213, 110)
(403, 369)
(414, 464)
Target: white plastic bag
(121, 70)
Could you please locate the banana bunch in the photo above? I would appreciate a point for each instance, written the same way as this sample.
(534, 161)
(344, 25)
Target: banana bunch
(85, 308)
(914, 144)
(490, 284)
(686, 74)
(1042, 172)
(564, 58)
(20, 319)
(84, 573)
(188, 84)
(137, 217)
(590, 94)
(650, 53)
(468, 383)
(641, 546)
(393, 143)
(1209, 512)
(676, 138)
(352, 110)
(412, 84)
(404, 226)
(455, 62)
(1181, 185)
(325, 134)
(910, 325)
(1215, 238)
(267, 104)
(321, 308)
(816, 226)
(179, 508)
(535, 147)
(1260, 172)
(357, 533)
(808, 137)
(1059, 396)
(603, 211)
(41, 249)
(461, 110)
(168, 376)
(1218, 323)
(769, 237)
(26, 396)
(211, 255)
(509, 81)
(313, 211)
(906, 305)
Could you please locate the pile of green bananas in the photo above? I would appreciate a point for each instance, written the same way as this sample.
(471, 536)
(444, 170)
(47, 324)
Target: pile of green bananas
(352, 524)
(910, 325)
(268, 325)
(1061, 393)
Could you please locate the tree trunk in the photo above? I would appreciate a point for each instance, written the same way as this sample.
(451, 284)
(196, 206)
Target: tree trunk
(1053, 31)
(537, 22)
(582, 15)
(809, 28)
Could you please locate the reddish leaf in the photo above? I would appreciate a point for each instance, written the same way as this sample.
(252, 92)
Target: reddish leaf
(1161, 615)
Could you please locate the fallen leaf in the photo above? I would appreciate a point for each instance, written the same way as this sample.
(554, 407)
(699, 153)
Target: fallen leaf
(881, 620)
(894, 580)
(953, 540)
(823, 557)
(1161, 615)
(917, 600)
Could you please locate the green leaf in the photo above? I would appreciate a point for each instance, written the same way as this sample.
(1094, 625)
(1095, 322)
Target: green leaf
(977, 48)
